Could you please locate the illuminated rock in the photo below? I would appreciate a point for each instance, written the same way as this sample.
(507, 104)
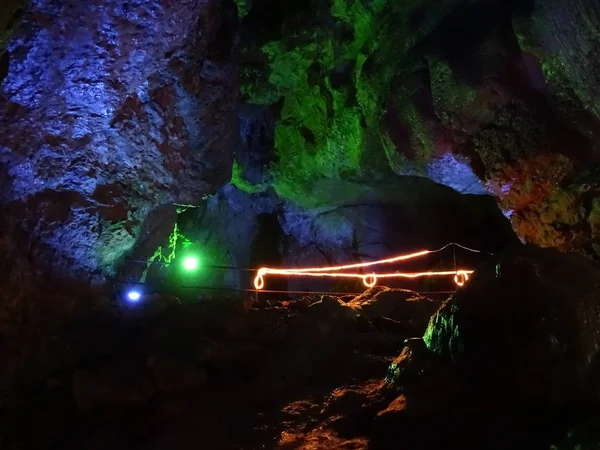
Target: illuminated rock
(112, 109)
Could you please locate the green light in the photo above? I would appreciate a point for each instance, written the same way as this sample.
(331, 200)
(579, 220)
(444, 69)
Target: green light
(190, 263)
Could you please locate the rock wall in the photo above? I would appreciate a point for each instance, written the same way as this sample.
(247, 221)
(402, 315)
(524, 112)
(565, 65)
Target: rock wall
(112, 113)
(485, 97)
(111, 109)
(119, 115)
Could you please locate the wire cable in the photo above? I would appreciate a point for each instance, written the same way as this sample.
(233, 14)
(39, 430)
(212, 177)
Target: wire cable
(274, 291)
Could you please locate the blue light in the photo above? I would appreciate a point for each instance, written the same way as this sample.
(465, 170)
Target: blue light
(134, 296)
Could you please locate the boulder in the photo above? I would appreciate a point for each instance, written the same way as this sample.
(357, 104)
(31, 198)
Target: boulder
(354, 222)
(525, 329)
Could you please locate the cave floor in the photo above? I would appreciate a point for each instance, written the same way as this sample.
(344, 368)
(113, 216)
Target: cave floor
(301, 375)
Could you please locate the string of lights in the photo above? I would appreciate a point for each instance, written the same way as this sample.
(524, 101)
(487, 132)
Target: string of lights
(461, 276)
(191, 263)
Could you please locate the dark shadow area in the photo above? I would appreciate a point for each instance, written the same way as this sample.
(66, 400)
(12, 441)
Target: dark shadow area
(267, 18)
(265, 250)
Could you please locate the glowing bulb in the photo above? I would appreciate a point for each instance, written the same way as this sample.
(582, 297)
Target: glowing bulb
(190, 263)
(259, 281)
(134, 296)
(369, 280)
(461, 277)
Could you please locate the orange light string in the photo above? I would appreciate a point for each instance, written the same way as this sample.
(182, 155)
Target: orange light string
(461, 276)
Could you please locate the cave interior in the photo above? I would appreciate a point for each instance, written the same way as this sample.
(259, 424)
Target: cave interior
(318, 224)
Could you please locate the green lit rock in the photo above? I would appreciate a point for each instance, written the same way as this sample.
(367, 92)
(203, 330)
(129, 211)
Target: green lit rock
(364, 90)
(332, 86)
(243, 7)
(421, 136)
(239, 182)
(443, 333)
(411, 364)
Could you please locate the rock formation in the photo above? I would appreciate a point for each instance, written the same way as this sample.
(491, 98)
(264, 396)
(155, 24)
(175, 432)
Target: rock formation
(117, 110)
(111, 110)
(481, 96)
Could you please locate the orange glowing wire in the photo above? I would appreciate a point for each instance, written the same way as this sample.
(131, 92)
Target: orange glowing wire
(461, 276)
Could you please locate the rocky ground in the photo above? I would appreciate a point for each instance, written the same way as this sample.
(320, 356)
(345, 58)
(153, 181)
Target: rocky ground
(215, 375)
(324, 373)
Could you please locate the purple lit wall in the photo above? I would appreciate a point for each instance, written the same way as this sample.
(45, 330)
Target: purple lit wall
(113, 108)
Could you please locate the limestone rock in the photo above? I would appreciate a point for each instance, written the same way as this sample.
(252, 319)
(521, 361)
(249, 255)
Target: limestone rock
(356, 222)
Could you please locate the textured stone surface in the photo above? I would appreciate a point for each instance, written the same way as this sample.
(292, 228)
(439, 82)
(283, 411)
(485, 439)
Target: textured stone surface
(485, 97)
(103, 121)
(302, 374)
(184, 377)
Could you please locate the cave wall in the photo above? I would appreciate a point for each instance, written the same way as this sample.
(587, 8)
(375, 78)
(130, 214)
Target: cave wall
(103, 121)
(482, 96)
(110, 132)
(113, 113)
